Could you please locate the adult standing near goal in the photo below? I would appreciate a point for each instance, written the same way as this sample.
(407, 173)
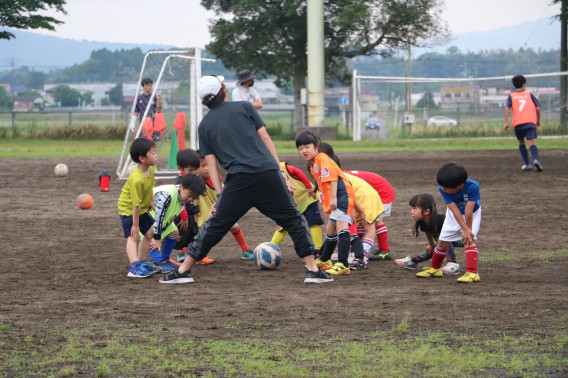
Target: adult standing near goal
(234, 135)
(244, 90)
(526, 118)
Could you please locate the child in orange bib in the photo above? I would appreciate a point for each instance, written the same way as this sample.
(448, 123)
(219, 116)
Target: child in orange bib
(337, 198)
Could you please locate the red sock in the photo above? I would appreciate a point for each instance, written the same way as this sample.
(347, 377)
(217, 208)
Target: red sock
(438, 258)
(240, 237)
(361, 233)
(471, 254)
(353, 229)
(383, 238)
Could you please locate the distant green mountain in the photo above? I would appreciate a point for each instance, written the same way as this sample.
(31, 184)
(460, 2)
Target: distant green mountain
(45, 53)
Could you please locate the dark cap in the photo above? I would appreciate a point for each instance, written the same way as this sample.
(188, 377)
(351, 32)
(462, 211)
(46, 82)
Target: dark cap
(244, 76)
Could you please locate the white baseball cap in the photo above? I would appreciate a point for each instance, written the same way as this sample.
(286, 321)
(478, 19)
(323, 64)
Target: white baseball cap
(209, 86)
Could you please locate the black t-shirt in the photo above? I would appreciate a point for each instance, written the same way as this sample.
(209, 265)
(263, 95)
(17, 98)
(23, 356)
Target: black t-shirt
(142, 104)
(424, 227)
(229, 131)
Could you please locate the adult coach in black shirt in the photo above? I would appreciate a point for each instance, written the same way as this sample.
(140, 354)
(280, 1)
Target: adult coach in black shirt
(233, 134)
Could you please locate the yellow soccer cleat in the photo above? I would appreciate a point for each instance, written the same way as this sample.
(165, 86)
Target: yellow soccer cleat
(469, 277)
(338, 269)
(323, 265)
(430, 272)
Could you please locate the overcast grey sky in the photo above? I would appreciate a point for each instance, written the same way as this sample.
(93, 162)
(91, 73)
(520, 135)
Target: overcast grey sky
(184, 23)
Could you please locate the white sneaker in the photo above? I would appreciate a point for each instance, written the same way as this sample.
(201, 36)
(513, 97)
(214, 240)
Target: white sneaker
(406, 263)
(451, 268)
(350, 258)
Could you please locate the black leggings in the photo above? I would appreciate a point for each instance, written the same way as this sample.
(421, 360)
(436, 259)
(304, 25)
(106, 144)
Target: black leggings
(265, 191)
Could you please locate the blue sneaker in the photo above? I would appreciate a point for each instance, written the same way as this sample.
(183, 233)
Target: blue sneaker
(527, 167)
(247, 255)
(137, 270)
(537, 165)
(166, 266)
(153, 269)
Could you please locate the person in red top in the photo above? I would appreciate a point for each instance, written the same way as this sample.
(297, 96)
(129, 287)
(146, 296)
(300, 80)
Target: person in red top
(305, 197)
(526, 118)
(386, 192)
(337, 199)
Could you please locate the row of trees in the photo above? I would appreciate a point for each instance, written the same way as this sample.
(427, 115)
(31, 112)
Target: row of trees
(453, 63)
(270, 37)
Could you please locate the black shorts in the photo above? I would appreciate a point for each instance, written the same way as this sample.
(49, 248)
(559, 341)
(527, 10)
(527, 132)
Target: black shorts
(313, 215)
(145, 221)
(525, 131)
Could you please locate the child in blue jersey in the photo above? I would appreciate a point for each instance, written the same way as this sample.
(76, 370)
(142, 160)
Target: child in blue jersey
(463, 219)
(169, 202)
(135, 201)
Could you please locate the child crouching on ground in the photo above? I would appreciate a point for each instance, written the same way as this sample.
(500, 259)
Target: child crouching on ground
(426, 219)
(193, 164)
(169, 201)
(463, 219)
(305, 197)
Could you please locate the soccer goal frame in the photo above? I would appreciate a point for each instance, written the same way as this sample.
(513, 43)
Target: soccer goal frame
(195, 108)
(358, 79)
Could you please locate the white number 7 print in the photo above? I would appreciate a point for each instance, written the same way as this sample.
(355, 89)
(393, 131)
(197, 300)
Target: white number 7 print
(522, 102)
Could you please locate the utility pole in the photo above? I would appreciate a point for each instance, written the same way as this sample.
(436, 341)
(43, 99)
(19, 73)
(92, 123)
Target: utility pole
(316, 66)
(426, 98)
(563, 64)
(409, 85)
(13, 77)
(121, 87)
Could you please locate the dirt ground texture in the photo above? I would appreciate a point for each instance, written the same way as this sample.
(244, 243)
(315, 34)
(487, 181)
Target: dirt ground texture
(66, 266)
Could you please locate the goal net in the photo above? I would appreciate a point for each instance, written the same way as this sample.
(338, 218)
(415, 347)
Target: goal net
(392, 107)
(172, 123)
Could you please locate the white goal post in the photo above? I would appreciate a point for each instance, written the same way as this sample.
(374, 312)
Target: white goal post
(195, 60)
(365, 90)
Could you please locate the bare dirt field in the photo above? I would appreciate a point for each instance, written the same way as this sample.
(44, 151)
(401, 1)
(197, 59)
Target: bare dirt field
(63, 266)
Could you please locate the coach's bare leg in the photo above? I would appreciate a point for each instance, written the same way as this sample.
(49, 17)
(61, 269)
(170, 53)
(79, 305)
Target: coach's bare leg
(311, 263)
(187, 264)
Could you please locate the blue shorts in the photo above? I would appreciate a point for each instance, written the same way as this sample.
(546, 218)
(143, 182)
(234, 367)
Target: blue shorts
(525, 131)
(145, 221)
(312, 214)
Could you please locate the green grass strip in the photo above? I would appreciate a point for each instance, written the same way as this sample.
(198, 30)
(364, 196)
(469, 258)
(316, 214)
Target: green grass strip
(63, 148)
(384, 354)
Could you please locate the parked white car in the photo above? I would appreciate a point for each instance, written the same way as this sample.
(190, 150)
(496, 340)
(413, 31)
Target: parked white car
(442, 121)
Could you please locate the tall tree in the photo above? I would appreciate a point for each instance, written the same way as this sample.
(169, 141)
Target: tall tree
(66, 96)
(269, 37)
(115, 95)
(25, 14)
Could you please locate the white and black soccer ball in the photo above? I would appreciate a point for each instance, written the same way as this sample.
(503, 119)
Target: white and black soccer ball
(267, 256)
(61, 170)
